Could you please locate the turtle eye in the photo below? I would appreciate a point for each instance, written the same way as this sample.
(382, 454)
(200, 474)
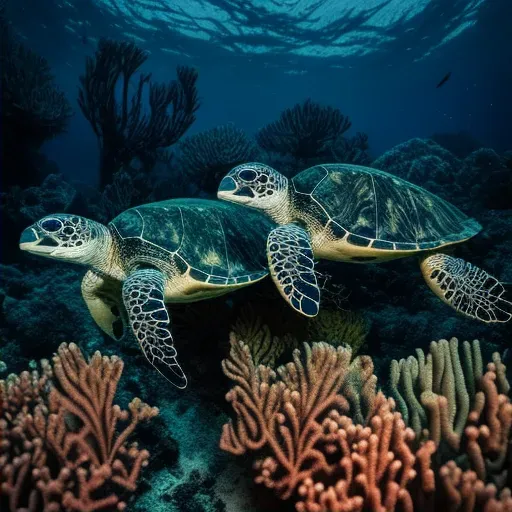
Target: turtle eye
(247, 175)
(51, 225)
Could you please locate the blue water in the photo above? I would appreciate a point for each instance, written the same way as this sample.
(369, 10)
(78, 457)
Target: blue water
(420, 90)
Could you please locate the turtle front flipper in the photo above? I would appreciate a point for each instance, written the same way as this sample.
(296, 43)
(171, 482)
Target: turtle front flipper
(143, 296)
(466, 288)
(292, 267)
(102, 295)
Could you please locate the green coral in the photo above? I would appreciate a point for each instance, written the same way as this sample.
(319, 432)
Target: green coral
(339, 328)
(264, 348)
(436, 392)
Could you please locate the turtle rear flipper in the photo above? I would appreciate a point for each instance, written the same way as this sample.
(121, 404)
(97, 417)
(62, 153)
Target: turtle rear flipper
(292, 268)
(143, 296)
(467, 288)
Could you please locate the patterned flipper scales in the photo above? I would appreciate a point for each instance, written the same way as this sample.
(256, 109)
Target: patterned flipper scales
(291, 263)
(466, 288)
(143, 296)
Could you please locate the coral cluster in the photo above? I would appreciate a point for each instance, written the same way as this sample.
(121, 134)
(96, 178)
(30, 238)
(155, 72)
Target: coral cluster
(482, 176)
(264, 347)
(325, 437)
(339, 327)
(62, 447)
(124, 132)
(207, 156)
(305, 131)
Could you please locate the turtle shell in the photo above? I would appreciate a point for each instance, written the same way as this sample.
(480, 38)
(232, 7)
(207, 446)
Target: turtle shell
(222, 243)
(372, 208)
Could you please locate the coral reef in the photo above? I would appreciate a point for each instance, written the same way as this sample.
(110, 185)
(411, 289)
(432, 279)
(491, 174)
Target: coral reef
(314, 446)
(305, 131)
(124, 132)
(207, 156)
(482, 176)
(435, 393)
(62, 446)
(339, 327)
(264, 348)
(20, 207)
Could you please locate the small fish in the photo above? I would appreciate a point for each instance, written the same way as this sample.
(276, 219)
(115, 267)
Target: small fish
(444, 80)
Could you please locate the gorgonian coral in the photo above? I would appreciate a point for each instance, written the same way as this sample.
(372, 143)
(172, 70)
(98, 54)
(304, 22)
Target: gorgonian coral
(326, 438)
(62, 446)
(306, 131)
(123, 130)
(207, 156)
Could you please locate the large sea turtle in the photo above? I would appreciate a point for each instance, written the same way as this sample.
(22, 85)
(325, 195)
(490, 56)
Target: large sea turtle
(181, 250)
(358, 214)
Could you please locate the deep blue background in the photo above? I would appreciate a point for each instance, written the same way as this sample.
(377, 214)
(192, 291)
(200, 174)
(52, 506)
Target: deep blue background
(386, 94)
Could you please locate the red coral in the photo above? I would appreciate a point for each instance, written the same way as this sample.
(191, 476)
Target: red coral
(61, 448)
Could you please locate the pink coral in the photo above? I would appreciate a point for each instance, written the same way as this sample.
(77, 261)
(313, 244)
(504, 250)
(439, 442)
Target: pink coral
(61, 446)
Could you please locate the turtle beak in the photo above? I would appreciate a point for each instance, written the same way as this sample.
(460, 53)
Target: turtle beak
(229, 191)
(30, 241)
(226, 188)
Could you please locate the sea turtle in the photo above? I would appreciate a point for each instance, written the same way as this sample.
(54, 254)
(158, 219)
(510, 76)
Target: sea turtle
(181, 250)
(358, 214)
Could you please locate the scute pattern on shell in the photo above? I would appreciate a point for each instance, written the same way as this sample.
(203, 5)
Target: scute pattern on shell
(382, 210)
(222, 243)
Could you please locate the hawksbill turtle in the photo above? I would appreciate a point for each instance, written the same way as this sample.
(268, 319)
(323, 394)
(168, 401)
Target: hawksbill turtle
(357, 214)
(180, 250)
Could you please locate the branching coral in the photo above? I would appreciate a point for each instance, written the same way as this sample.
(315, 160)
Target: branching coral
(61, 447)
(264, 348)
(339, 327)
(312, 446)
(285, 412)
(123, 130)
(305, 131)
(207, 156)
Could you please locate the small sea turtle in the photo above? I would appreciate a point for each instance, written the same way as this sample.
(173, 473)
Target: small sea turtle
(181, 250)
(357, 214)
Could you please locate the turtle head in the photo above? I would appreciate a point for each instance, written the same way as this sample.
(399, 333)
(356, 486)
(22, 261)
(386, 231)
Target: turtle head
(256, 185)
(64, 237)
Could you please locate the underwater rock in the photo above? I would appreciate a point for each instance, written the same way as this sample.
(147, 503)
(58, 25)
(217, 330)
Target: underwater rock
(483, 177)
(42, 308)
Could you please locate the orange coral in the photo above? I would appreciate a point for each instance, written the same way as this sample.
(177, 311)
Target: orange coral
(60, 437)
(297, 420)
